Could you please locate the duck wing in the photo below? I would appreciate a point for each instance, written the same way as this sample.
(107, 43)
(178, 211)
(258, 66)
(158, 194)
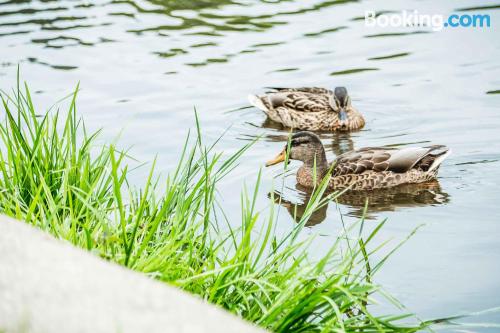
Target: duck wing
(389, 159)
(297, 101)
(311, 90)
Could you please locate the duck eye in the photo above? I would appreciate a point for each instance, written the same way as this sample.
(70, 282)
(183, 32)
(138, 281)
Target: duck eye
(299, 142)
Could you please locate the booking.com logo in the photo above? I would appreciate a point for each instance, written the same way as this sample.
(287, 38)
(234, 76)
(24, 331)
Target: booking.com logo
(436, 21)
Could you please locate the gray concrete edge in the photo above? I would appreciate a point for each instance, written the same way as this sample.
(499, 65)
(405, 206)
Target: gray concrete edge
(48, 285)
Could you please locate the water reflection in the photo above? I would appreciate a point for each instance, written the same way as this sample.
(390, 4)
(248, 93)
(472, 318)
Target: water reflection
(171, 5)
(340, 143)
(392, 199)
(391, 56)
(337, 142)
(325, 31)
(376, 201)
(486, 7)
(215, 22)
(297, 209)
(169, 18)
(268, 123)
(354, 71)
(60, 67)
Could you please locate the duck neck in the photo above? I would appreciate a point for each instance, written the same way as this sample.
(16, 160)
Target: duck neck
(316, 166)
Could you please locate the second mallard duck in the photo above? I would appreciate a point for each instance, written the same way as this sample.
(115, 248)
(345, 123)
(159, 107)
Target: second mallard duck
(362, 169)
(313, 109)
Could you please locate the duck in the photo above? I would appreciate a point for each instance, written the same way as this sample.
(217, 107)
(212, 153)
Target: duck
(362, 169)
(310, 108)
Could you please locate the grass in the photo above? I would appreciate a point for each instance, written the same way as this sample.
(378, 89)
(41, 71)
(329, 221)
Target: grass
(55, 176)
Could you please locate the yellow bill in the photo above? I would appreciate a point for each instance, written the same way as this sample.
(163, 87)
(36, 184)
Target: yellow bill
(280, 158)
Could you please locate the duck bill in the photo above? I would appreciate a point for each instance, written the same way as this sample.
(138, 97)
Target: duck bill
(343, 115)
(278, 159)
(343, 119)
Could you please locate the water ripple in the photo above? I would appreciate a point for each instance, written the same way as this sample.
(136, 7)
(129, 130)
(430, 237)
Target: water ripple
(397, 34)
(354, 70)
(60, 67)
(475, 8)
(391, 56)
(322, 32)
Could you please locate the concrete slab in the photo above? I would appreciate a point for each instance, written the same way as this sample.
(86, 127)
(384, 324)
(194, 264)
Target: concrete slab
(47, 285)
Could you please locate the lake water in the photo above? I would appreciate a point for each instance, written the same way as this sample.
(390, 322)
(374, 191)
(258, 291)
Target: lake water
(144, 65)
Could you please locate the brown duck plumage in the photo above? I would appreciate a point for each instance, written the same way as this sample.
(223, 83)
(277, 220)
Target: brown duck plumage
(314, 109)
(363, 169)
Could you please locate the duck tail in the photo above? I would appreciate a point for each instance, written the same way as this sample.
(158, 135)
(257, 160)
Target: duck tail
(439, 159)
(257, 102)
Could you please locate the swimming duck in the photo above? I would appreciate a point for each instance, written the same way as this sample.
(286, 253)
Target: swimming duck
(362, 169)
(313, 109)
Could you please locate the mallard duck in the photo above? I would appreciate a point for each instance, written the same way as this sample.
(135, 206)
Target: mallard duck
(362, 169)
(313, 109)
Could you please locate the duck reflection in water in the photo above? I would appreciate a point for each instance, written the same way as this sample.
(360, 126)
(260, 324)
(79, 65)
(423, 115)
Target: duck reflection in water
(381, 200)
(341, 142)
(298, 209)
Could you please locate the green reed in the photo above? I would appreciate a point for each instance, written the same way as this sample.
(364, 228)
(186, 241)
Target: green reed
(54, 175)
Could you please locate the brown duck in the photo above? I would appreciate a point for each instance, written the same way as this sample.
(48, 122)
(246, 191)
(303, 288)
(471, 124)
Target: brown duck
(362, 169)
(313, 109)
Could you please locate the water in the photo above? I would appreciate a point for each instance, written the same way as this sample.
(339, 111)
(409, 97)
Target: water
(144, 65)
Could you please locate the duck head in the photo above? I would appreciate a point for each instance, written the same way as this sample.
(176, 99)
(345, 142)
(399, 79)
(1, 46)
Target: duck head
(341, 103)
(305, 147)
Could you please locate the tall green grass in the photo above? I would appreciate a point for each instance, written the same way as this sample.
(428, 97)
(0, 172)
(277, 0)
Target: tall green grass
(54, 175)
